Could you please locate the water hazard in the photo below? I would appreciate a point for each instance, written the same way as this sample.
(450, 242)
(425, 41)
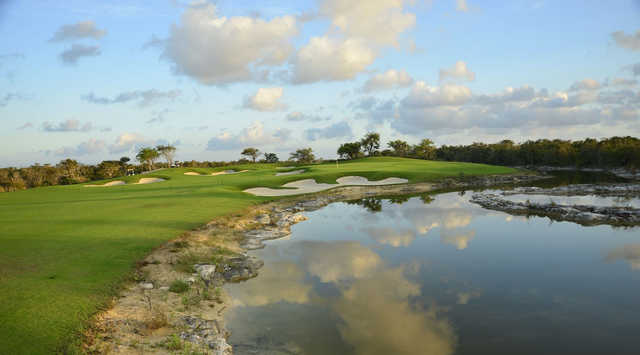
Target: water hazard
(436, 274)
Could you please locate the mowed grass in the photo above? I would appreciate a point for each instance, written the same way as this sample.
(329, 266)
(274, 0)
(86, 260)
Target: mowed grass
(65, 249)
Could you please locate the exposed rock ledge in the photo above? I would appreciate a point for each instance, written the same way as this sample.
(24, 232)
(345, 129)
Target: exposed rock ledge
(615, 190)
(584, 215)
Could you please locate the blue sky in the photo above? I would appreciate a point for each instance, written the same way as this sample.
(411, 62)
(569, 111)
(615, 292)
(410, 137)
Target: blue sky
(95, 80)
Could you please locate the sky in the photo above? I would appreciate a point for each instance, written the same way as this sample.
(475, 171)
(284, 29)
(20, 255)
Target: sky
(97, 80)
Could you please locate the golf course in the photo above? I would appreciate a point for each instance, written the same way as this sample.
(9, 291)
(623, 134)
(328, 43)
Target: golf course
(64, 250)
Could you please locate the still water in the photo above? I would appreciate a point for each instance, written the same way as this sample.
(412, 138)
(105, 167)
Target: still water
(438, 275)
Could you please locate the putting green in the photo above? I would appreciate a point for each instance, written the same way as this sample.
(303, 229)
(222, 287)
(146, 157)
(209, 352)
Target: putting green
(65, 249)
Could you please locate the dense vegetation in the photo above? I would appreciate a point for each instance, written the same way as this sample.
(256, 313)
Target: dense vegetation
(64, 248)
(608, 152)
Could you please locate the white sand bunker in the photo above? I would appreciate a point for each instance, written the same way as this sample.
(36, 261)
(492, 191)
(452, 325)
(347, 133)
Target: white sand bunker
(192, 173)
(227, 172)
(285, 167)
(294, 172)
(148, 181)
(310, 185)
(110, 183)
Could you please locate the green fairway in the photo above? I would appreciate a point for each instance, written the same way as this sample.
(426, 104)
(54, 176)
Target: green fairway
(63, 249)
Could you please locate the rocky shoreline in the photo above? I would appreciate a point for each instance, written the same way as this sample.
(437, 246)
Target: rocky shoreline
(584, 215)
(175, 300)
(620, 172)
(606, 190)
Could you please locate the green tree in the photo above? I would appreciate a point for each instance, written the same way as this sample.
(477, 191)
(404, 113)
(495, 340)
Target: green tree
(270, 157)
(400, 147)
(251, 152)
(371, 143)
(350, 150)
(168, 152)
(303, 156)
(147, 156)
(425, 149)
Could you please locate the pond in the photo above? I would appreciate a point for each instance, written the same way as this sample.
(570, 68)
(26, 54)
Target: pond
(435, 274)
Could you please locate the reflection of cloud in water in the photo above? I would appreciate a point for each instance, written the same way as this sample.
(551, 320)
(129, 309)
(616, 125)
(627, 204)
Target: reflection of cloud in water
(629, 253)
(279, 281)
(390, 236)
(337, 261)
(460, 240)
(379, 320)
(465, 297)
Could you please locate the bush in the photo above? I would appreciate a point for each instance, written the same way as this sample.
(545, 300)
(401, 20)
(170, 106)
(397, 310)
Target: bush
(179, 286)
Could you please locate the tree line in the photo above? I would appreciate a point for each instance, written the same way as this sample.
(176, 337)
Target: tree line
(611, 152)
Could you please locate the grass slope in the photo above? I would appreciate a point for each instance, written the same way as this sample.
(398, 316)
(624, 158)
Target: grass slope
(64, 249)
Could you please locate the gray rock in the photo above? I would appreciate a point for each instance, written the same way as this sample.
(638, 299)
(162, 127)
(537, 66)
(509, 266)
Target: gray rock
(146, 285)
(206, 271)
(263, 219)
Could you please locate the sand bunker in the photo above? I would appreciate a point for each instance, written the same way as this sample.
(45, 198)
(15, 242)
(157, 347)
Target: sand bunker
(110, 183)
(148, 181)
(285, 167)
(295, 172)
(227, 172)
(192, 173)
(310, 185)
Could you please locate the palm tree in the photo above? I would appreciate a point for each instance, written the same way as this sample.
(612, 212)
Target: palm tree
(147, 156)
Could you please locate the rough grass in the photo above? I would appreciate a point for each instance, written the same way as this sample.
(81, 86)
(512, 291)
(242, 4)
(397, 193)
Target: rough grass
(65, 249)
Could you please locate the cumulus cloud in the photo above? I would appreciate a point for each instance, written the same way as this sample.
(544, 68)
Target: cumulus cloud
(297, 116)
(265, 99)
(217, 50)
(623, 82)
(67, 126)
(254, 135)
(327, 59)
(77, 51)
(459, 240)
(629, 253)
(461, 5)
(377, 21)
(80, 30)
(630, 42)
(92, 146)
(459, 71)
(391, 236)
(127, 142)
(423, 95)
(388, 80)
(586, 84)
(144, 97)
(338, 261)
(336, 130)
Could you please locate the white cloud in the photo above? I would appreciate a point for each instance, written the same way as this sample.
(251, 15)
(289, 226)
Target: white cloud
(254, 135)
(377, 21)
(586, 84)
(71, 55)
(340, 129)
(423, 95)
(265, 99)
(391, 236)
(623, 82)
(338, 261)
(67, 126)
(144, 97)
(459, 71)
(326, 59)
(388, 80)
(129, 141)
(216, 50)
(461, 5)
(297, 116)
(631, 42)
(91, 146)
(459, 240)
(80, 30)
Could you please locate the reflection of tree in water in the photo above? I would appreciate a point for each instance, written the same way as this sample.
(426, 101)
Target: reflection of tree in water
(398, 200)
(427, 199)
(372, 204)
